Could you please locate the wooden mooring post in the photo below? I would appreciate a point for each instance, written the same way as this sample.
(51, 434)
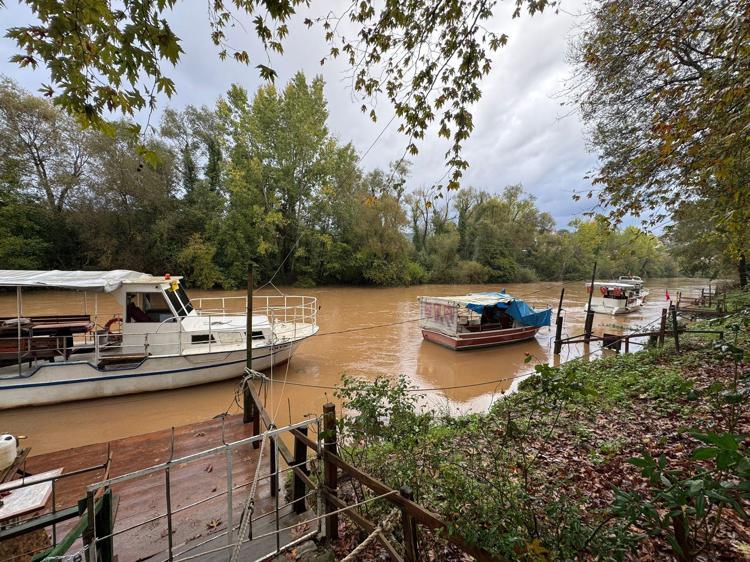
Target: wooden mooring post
(675, 331)
(250, 410)
(559, 324)
(330, 470)
(589, 324)
(662, 326)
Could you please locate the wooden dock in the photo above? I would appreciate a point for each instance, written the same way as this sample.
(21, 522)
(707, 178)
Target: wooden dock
(140, 526)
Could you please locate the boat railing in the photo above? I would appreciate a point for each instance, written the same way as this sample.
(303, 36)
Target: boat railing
(290, 317)
(289, 309)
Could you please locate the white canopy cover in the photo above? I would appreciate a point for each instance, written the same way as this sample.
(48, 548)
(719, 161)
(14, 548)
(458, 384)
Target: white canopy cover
(106, 281)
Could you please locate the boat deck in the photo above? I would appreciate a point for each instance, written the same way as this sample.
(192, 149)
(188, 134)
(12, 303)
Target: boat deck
(144, 499)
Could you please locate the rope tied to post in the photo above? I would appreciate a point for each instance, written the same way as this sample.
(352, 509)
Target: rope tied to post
(385, 525)
(249, 507)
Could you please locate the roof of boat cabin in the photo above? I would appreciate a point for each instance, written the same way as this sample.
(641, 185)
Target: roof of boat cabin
(486, 299)
(615, 284)
(106, 281)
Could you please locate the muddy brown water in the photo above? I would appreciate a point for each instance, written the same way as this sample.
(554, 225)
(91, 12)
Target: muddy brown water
(390, 350)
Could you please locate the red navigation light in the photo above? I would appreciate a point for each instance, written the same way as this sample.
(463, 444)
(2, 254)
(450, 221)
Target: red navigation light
(167, 276)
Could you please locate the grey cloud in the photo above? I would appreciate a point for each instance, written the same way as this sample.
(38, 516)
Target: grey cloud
(519, 136)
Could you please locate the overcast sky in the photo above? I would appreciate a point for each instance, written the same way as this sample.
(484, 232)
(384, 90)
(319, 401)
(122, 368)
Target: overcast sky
(522, 133)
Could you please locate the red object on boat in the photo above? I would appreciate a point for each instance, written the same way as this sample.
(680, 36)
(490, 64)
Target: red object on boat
(667, 291)
(167, 276)
(603, 290)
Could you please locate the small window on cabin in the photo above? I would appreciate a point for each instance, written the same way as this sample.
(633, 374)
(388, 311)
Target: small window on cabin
(180, 301)
(146, 307)
(258, 335)
(203, 338)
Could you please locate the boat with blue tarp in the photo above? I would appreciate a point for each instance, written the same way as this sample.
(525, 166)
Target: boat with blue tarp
(479, 320)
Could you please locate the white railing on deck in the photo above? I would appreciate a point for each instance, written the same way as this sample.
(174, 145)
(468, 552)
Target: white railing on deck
(290, 309)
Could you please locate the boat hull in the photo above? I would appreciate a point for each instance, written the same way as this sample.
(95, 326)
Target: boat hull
(475, 340)
(80, 380)
(614, 306)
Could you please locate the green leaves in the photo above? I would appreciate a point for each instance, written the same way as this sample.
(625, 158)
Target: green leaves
(664, 91)
(427, 58)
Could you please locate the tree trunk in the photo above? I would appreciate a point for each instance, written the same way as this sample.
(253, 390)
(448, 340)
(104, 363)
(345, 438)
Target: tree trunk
(742, 266)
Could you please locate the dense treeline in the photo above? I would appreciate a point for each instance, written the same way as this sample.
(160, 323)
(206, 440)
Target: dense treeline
(262, 180)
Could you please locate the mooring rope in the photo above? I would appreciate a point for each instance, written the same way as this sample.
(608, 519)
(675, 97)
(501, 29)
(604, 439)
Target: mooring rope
(249, 507)
(384, 525)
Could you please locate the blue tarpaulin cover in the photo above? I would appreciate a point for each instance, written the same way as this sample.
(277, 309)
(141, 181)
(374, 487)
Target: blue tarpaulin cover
(516, 308)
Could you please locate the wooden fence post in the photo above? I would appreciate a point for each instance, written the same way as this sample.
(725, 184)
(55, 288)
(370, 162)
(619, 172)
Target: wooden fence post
(104, 528)
(330, 470)
(674, 329)
(409, 525)
(300, 461)
(89, 533)
(662, 326)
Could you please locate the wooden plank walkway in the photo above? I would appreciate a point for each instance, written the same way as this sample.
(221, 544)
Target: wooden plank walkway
(144, 499)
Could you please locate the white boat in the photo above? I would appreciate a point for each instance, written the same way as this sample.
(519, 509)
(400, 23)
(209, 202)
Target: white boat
(161, 340)
(617, 297)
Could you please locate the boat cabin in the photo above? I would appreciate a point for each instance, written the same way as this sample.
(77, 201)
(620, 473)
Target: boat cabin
(479, 319)
(613, 290)
(157, 318)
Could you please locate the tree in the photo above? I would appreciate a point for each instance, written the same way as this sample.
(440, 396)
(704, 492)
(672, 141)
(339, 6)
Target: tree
(426, 57)
(663, 88)
(48, 152)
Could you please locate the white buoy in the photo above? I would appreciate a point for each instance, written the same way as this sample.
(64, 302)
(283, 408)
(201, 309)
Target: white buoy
(8, 451)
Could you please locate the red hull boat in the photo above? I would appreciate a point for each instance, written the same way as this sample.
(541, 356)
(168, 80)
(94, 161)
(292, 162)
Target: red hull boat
(479, 320)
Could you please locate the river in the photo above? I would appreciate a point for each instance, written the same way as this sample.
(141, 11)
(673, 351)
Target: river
(390, 350)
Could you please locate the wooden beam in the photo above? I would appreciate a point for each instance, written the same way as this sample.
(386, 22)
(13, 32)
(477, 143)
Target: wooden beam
(422, 515)
(365, 524)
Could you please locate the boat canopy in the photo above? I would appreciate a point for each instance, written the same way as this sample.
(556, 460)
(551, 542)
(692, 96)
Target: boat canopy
(106, 281)
(516, 308)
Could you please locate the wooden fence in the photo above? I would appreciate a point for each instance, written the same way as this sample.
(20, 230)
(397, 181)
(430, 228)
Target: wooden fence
(412, 514)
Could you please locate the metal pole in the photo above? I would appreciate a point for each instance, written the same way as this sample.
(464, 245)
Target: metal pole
(230, 523)
(275, 482)
(169, 510)
(249, 319)
(18, 328)
(54, 510)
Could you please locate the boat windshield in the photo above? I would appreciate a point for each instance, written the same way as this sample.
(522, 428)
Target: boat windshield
(180, 301)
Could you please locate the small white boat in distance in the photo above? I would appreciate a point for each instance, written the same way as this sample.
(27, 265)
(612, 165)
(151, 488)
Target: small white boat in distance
(617, 297)
(160, 340)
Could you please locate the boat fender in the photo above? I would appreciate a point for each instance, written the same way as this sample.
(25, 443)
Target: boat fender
(8, 451)
(603, 290)
(113, 320)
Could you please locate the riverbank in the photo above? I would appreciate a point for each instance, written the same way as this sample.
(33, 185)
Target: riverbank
(638, 456)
